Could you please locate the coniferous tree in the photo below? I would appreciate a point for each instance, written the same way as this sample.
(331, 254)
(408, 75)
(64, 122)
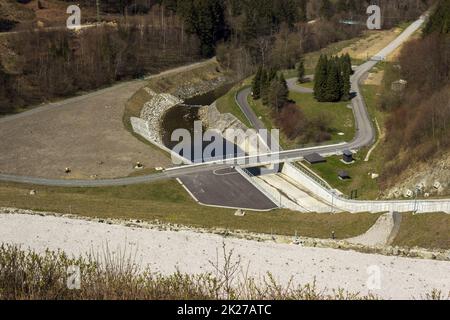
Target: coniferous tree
(284, 87)
(206, 19)
(303, 11)
(333, 85)
(301, 71)
(278, 93)
(342, 6)
(265, 83)
(439, 21)
(320, 78)
(272, 73)
(348, 63)
(256, 84)
(346, 85)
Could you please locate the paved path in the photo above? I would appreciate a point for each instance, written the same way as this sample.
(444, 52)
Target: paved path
(294, 86)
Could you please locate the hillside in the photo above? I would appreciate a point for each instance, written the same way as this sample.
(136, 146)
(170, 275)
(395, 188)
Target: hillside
(150, 36)
(417, 141)
(13, 13)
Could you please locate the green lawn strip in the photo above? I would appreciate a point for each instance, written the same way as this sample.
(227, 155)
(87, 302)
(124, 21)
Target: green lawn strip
(359, 172)
(167, 201)
(309, 84)
(262, 112)
(228, 104)
(341, 116)
(429, 230)
(370, 96)
(265, 114)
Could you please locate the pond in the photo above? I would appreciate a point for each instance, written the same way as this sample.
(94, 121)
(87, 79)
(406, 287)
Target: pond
(184, 116)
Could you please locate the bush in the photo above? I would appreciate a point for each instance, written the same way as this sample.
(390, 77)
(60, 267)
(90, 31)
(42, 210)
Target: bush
(27, 275)
(6, 25)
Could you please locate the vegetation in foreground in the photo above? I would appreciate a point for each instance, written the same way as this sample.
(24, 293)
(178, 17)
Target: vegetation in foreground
(26, 275)
(168, 202)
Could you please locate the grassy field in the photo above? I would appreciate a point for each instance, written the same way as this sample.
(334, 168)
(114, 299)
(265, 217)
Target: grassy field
(311, 59)
(424, 230)
(341, 118)
(359, 172)
(227, 103)
(167, 201)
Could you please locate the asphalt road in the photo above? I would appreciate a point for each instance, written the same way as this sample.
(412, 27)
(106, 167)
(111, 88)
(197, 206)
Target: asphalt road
(365, 133)
(226, 188)
(241, 100)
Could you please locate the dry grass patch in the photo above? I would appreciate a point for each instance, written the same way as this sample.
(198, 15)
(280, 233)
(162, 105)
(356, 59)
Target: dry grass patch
(431, 230)
(371, 43)
(166, 201)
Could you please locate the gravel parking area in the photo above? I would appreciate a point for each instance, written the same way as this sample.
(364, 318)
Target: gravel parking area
(85, 134)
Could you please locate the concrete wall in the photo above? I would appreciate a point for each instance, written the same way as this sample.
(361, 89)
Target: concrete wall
(355, 206)
(222, 122)
(141, 127)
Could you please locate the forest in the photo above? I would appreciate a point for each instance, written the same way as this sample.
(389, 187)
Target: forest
(153, 35)
(419, 117)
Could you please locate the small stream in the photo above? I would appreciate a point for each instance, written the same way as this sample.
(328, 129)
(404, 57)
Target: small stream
(184, 116)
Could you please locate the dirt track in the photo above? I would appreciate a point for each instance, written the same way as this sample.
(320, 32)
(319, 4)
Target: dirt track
(86, 134)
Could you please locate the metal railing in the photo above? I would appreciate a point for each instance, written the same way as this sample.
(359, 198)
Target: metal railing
(312, 175)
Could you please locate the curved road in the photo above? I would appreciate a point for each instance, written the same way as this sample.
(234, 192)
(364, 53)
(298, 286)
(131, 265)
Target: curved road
(365, 133)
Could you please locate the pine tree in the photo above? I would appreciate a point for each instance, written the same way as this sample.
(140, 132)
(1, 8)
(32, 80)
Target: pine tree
(284, 88)
(348, 63)
(320, 78)
(439, 21)
(333, 85)
(278, 93)
(265, 83)
(302, 15)
(301, 71)
(346, 85)
(272, 73)
(340, 67)
(256, 84)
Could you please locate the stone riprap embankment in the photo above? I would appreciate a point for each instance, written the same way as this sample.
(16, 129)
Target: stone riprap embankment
(189, 90)
(149, 124)
(153, 111)
(222, 122)
(428, 179)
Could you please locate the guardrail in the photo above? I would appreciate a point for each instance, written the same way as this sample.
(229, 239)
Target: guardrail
(312, 175)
